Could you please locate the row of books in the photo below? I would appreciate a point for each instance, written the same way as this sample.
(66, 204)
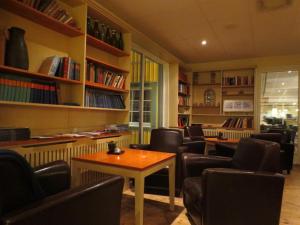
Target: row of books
(183, 88)
(183, 121)
(53, 9)
(100, 99)
(27, 90)
(238, 80)
(98, 74)
(64, 67)
(238, 122)
(183, 101)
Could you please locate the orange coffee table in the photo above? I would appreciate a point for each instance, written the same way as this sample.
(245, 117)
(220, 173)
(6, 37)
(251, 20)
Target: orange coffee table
(133, 163)
(212, 141)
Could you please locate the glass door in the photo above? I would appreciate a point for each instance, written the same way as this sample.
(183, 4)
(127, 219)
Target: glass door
(145, 96)
(279, 103)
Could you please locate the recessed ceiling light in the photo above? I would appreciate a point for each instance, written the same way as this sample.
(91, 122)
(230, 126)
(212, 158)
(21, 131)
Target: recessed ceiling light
(203, 42)
(282, 83)
(289, 71)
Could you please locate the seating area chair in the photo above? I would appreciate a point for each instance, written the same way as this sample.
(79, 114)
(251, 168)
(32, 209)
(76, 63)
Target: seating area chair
(243, 190)
(42, 196)
(286, 148)
(194, 132)
(168, 140)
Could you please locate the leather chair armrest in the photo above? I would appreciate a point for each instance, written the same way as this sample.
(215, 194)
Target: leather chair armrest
(195, 146)
(194, 164)
(140, 146)
(99, 203)
(225, 150)
(54, 177)
(238, 193)
(289, 148)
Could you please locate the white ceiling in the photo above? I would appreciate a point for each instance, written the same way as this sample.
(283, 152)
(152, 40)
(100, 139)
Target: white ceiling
(234, 29)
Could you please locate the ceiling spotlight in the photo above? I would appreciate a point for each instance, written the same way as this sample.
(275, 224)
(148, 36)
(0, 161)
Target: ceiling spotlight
(289, 71)
(203, 42)
(282, 83)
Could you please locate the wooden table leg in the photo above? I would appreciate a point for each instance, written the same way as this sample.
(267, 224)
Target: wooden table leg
(172, 183)
(75, 174)
(139, 199)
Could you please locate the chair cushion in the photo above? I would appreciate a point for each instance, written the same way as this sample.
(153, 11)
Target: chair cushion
(193, 195)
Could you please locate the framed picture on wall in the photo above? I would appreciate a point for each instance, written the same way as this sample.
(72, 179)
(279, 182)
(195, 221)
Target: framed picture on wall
(238, 106)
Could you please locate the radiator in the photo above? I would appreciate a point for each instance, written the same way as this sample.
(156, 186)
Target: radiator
(232, 134)
(44, 154)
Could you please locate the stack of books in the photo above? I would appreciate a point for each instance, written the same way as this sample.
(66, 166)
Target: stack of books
(183, 121)
(14, 134)
(53, 9)
(238, 123)
(18, 89)
(101, 99)
(238, 80)
(98, 74)
(183, 89)
(64, 67)
(183, 101)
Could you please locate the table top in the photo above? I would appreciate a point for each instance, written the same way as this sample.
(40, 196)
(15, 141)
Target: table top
(131, 159)
(216, 140)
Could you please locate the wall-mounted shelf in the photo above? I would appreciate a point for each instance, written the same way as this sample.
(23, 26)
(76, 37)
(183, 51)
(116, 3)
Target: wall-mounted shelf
(107, 65)
(26, 73)
(105, 47)
(36, 16)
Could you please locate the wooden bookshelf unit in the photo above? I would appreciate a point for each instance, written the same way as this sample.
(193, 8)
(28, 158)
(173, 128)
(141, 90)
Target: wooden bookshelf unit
(212, 89)
(45, 37)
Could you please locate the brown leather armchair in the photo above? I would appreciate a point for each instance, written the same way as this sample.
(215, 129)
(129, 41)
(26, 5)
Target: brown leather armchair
(243, 190)
(42, 195)
(168, 140)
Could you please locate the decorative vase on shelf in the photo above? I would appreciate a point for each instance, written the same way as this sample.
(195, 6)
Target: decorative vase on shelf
(16, 53)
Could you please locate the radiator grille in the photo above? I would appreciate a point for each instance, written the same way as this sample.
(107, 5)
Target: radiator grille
(232, 134)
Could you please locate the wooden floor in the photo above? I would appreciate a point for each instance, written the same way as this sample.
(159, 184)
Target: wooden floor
(290, 213)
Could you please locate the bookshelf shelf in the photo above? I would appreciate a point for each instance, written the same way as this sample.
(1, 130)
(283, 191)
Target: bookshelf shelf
(104, 87)
(105, 47)
(36, 16)
(183, 81)
(183, 94)
(184, 106)
(38, 105)
(107, 65)
(237, 86)
(25, 73)
(208, 84)
(233, 95)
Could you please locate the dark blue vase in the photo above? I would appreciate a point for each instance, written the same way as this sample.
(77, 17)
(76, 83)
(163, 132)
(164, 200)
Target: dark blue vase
(16, 53)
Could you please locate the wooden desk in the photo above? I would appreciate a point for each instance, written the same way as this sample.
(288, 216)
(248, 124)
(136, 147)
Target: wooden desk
(213, 141)
(133, 163)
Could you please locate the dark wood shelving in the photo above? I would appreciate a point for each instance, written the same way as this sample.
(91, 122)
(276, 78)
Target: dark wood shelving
(105, 47)
(41, 18)
(107, 65)
(104, 87)
(26, 73)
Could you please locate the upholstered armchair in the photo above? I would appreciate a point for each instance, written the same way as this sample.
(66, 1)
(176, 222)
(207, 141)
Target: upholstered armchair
(168, 140)
(286, 148)
(194, 132)
(43, 196)
(243, 190)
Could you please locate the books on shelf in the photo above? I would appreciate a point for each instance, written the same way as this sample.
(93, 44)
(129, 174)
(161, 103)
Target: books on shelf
(183, 89)
(238, 122)
(64, 67)
(18, 89)
(183, 101)
(238, 80)
(53, 9)
(101, 75)
(101, 99)
(183, 120)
